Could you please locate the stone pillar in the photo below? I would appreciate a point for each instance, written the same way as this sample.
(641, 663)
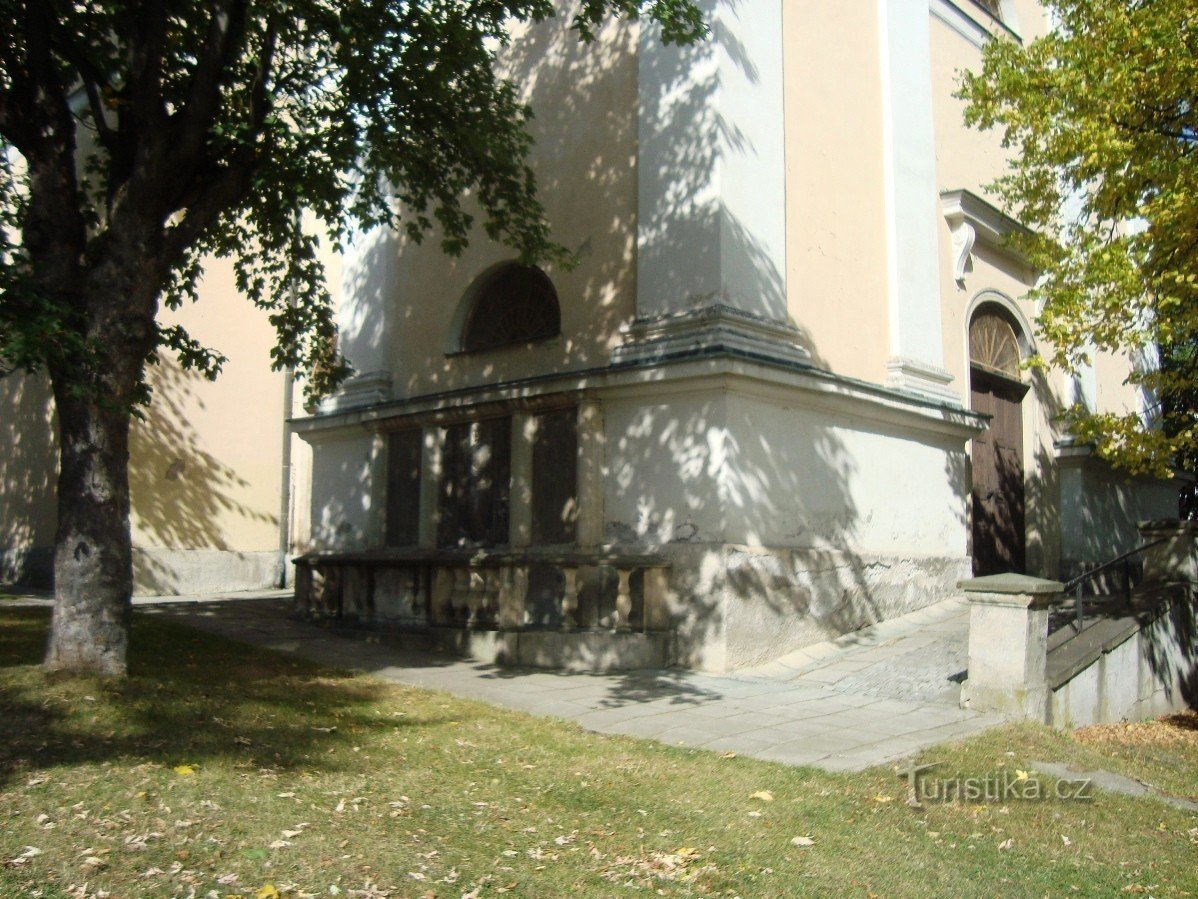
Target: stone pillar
(590, 473)
(912, 202)
(711, 181)
(376, 496)
(1175, 559)
(1008, 644)
(430, 479)
(524, 432)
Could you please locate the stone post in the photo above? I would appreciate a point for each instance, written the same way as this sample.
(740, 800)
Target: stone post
(432, 442)
(1008, 644)
(1176, 559)
(590, 473)
(524, 432)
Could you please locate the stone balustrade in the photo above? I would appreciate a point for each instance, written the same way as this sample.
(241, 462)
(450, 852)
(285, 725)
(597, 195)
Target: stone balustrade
(482, 589)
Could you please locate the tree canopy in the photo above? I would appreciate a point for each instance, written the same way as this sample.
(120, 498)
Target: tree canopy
(230, 127)
(1101, 116)
(141, 137)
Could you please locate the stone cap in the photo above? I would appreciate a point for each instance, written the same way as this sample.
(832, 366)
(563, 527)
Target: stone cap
(1010, 583)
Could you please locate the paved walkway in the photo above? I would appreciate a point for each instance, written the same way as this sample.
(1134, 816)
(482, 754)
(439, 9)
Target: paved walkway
(867, 698)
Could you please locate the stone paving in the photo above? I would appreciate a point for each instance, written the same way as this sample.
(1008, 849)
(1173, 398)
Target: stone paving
(870, 697)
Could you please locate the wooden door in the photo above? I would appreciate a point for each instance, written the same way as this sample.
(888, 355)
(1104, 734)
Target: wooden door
(998, 494)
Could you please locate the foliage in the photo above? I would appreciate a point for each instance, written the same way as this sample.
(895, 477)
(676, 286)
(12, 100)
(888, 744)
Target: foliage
(1100, 113)
(151, 134)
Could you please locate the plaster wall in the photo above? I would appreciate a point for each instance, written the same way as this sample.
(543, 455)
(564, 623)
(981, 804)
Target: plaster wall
(1100, 508)
(835, 227)
(342, 511)
(1152, 672)
(28, 473)
(204, 468)
(785, 525)
(584, 100)
(205, 463)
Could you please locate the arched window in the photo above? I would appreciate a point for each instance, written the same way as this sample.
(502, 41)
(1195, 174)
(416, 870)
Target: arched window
(993, 345)
(512, 304)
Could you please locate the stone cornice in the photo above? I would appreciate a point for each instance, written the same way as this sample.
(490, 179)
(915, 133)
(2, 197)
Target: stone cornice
(707, 369)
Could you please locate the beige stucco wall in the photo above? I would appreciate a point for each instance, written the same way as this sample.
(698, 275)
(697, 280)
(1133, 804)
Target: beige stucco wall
(204, 468)
(584, 99)
(205, 462)
(28, 470)
(835, 227)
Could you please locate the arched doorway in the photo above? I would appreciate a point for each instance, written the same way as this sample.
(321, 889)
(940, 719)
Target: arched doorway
(996, 389)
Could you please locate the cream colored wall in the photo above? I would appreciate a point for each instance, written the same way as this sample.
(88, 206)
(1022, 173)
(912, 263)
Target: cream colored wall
(835, 227)
(205, 463)
(1113, 393)
(28, 471)
(585, 103)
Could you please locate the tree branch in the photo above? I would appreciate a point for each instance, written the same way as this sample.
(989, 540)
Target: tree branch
(225, 32)
(145, 66)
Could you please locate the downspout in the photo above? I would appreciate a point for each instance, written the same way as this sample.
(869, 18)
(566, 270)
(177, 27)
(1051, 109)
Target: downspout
(285, 493)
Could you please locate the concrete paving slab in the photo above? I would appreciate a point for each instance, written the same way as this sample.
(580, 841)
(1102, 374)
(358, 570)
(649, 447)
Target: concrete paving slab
(794, 714)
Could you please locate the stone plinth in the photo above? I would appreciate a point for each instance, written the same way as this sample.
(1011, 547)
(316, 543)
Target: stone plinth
(1008, 644)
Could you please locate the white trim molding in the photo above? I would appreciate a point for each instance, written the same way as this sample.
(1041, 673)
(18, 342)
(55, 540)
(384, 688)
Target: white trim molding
(975, 222)
(976, 26)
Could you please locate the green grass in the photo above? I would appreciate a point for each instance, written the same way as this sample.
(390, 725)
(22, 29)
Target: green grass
(319, 782)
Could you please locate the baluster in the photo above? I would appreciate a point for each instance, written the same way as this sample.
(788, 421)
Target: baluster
(570, 598)
(623, 600)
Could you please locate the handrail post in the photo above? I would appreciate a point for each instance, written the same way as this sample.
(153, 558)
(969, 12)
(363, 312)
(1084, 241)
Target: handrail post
(1078, 610)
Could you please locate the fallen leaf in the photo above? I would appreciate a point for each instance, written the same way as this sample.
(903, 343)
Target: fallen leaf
(728, 755)
(802, 841)
(882, 799)
(267, 891)
(763, 795)
(185, 770)
(1021, 774)
(1006, 844)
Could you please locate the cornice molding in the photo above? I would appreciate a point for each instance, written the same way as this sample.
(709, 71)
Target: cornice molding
(973, 222)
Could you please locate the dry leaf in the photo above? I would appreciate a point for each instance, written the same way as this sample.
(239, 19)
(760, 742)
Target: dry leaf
(185, 770)
(802, 841)
(1006, 844)
(763, 795)
(267, 891)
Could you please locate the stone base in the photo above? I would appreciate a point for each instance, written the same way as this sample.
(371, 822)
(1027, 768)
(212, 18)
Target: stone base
(593, 651)
(166, 572)
(734, 606)
(1018, 701)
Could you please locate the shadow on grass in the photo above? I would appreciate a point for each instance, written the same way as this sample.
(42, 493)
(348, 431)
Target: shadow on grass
(190, 698)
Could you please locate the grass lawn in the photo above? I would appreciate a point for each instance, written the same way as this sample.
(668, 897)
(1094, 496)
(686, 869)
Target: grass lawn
(218, 770)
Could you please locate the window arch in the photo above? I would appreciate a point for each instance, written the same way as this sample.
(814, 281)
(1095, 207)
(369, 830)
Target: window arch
(513, 303)
(994, 342)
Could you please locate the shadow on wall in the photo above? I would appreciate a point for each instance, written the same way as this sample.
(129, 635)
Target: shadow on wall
(758, 502)
(28, 474)
(586, 130)
(183, 497)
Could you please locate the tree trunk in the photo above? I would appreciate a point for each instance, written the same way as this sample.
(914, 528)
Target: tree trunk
(93, 562)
